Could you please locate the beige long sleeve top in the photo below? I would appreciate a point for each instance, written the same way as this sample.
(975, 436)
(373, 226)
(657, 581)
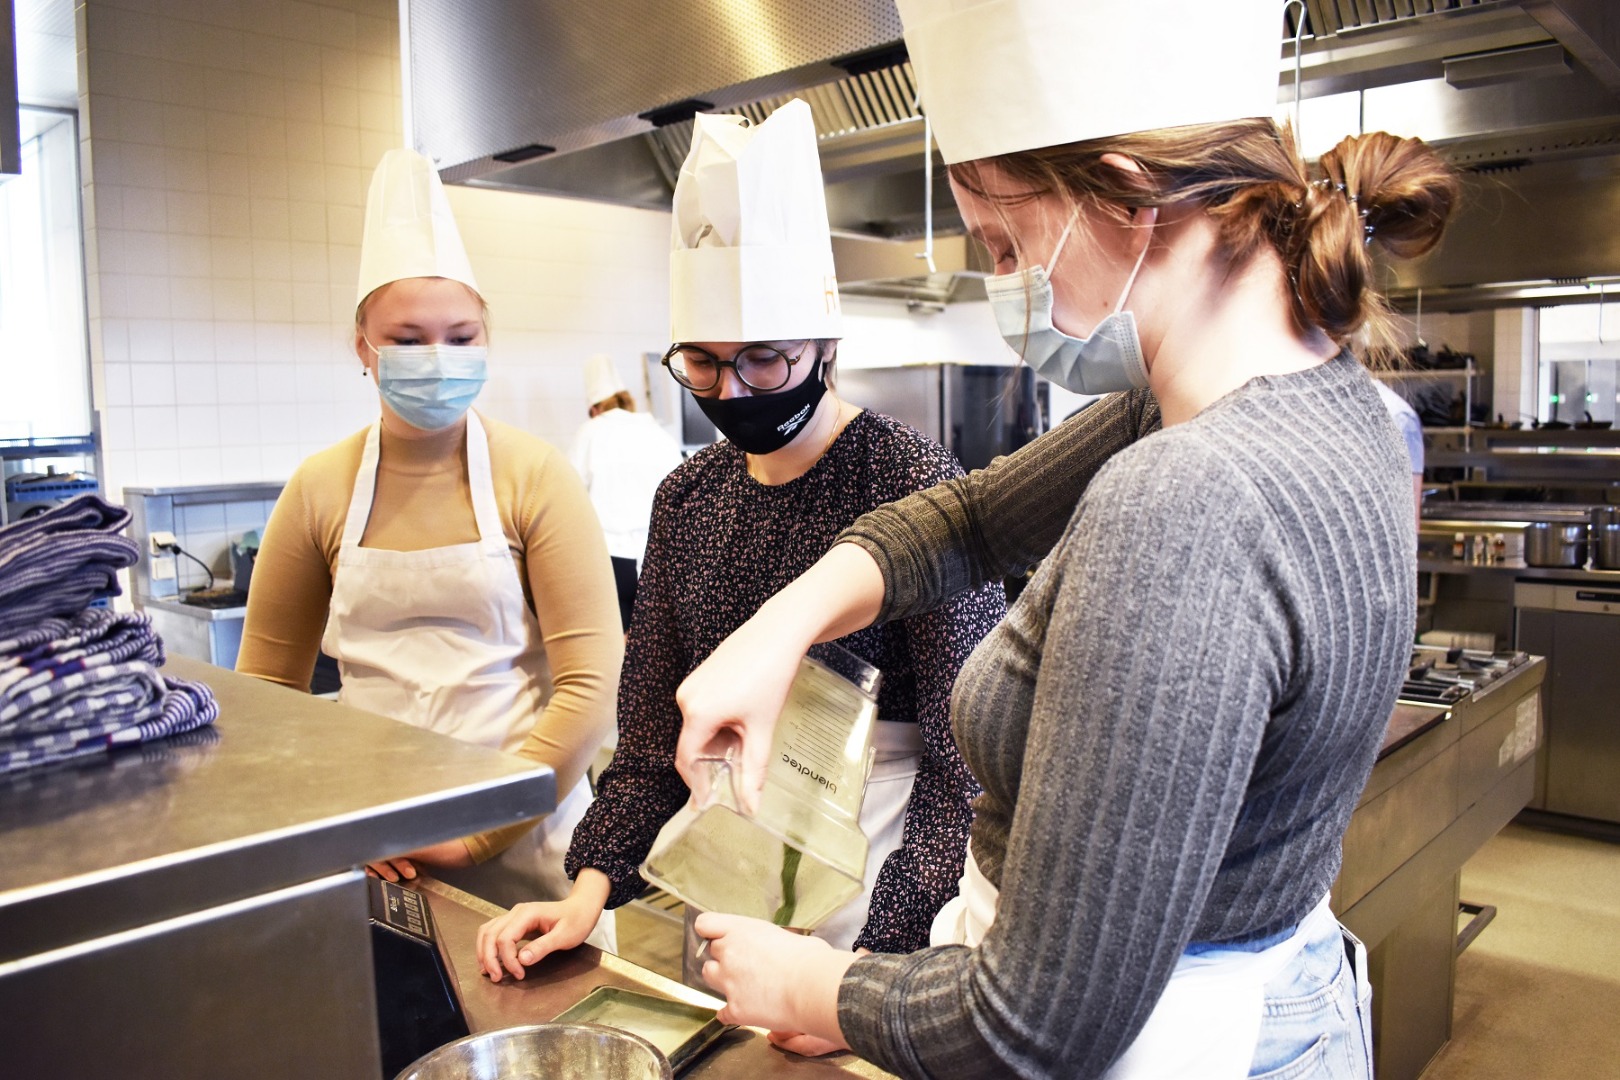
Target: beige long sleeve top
(423, 500)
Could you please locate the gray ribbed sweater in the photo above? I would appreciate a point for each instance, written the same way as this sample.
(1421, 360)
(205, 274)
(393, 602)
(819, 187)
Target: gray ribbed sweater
(1174, 722)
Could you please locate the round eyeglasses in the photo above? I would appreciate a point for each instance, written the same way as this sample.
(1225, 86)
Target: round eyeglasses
(760, 367)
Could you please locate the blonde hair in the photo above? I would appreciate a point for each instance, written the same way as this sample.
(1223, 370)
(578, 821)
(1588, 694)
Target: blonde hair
(1248, 176)
(827, 349)
(364, 305)
(620, 400)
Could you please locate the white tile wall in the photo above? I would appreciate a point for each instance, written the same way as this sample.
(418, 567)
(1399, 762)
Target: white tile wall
(207, 531)
(227, 149)
(1514, 368)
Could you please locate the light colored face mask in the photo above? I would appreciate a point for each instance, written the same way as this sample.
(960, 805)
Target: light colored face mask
(431, 386)
(1110, 359)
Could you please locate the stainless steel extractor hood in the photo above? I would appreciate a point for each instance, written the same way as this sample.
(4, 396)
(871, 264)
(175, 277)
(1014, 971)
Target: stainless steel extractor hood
(594, 101)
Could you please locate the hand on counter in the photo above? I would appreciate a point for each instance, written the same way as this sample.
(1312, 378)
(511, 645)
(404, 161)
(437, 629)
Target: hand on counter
(804, 1045)
(450, 854)
(776, 979)
(396, 870)
(562, 924)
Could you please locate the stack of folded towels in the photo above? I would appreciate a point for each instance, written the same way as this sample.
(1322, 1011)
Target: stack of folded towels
(77, 680)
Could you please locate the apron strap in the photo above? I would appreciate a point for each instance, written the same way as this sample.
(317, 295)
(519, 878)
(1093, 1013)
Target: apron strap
(365, 490)
(481, 479)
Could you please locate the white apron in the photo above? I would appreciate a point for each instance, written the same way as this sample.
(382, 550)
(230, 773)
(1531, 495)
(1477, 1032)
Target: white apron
(442, 639)
(883, 820)
(1205, 1025)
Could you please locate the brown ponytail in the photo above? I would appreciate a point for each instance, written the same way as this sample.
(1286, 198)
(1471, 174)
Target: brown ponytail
(1248, 176)
(1399, 195)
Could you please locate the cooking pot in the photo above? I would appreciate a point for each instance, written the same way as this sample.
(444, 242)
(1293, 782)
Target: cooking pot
(1606, 546)
(544, 1052)
(1554, 544)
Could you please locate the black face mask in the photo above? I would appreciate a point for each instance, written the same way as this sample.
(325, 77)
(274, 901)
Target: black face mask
(764, 423)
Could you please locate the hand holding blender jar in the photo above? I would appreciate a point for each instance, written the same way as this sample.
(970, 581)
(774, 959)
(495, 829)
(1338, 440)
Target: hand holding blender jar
(799, 854)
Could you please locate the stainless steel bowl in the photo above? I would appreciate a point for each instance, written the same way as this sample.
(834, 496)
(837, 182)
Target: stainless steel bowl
(544, 1052)
(1550, 544)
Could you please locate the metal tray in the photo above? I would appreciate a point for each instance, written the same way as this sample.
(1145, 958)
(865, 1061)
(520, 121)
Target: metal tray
(680, 1030)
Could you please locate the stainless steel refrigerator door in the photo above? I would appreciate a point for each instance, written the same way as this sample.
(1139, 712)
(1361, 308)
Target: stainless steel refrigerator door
(1579, 629)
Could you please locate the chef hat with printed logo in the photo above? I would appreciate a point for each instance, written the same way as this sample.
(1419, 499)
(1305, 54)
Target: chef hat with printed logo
(601, 379)
(1000, 76)
(410, 231)
(751, 256)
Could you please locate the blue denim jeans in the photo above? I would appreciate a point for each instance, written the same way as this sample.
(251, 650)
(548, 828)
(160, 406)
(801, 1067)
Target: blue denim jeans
(1317, 1020)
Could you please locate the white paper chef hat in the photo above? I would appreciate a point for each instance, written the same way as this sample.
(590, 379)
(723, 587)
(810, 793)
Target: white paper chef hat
(999, 76)
(601, 379)
(751, 257)
(410, 231)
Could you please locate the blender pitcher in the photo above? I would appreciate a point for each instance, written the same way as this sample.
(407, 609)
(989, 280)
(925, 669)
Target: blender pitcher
(802, 856)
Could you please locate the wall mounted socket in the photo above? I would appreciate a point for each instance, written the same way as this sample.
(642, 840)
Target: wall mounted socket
(163, 568)
(163, 542)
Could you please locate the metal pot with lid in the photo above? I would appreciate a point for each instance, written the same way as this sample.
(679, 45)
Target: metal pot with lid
(1606, 537)
(1555, 544)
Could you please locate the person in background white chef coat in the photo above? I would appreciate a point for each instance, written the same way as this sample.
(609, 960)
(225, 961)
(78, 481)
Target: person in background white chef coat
(451, 564)
(1175, 721)
(1411, 429)
(622, 455)
(756, 322)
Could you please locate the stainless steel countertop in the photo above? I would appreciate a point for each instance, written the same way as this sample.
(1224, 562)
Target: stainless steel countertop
(1413, 719)
(562, 979)
(1519, 570)
(1407, 722)
(283, 789)
(182, 493)
(1448, 516)
(192, 611)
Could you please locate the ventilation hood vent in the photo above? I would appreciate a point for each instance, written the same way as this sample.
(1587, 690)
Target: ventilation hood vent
(594, 101)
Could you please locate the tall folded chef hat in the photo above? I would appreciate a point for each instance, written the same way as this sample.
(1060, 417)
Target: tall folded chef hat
(410, 231)
(1000, 76)
(751, 256)
(601, 379)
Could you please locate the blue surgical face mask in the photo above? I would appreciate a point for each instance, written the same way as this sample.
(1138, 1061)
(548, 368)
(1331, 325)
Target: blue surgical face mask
(1110, 359)
(431, 386)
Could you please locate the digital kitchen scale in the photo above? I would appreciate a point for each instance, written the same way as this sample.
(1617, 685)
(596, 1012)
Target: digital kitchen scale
(418, 1008)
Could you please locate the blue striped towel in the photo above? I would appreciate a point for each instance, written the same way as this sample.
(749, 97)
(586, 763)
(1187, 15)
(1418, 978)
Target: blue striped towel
(72, 687)
(58, 562)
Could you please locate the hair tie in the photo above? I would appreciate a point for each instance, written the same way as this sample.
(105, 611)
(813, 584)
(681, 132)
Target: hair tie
(1355, 202)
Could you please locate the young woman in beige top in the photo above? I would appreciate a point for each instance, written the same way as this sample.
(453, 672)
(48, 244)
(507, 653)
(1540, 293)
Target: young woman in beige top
(456, 567)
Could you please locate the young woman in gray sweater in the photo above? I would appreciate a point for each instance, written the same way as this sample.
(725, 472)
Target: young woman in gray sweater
(1174, 723)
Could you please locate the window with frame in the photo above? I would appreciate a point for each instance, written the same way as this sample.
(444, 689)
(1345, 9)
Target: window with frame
(44, 345)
